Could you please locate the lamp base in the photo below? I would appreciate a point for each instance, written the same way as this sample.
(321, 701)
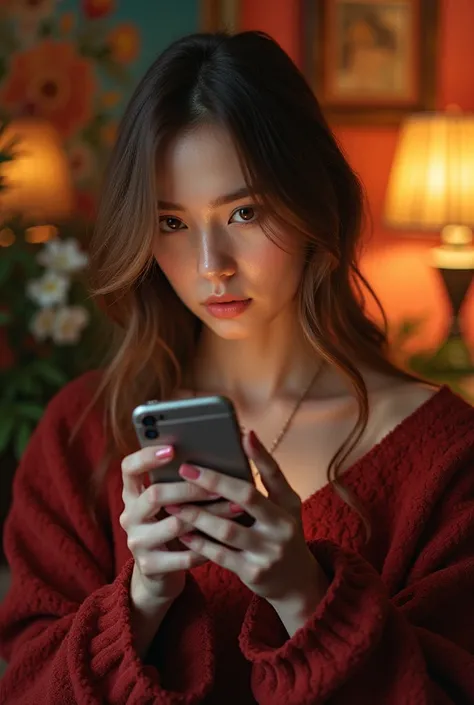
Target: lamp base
(454, 354)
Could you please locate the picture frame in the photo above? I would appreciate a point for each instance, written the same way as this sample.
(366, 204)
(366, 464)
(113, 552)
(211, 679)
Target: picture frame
(371, 61)
(220, 15)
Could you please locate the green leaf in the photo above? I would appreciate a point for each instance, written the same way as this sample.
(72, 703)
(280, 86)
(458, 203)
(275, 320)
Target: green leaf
(46, 29)
(22, 436)
(7, 425)
(30, 386)
(28, 410)
(49, 373)
(114, 70)
(5, 318)
(6, 266)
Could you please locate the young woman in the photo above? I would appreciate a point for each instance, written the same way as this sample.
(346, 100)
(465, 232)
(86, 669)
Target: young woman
(225, 251)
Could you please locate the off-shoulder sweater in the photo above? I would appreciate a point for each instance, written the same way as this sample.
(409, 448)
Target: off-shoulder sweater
(396, 625)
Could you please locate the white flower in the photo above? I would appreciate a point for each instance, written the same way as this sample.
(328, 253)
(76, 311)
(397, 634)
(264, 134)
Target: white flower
(69, 324)
(42, 323)
(49, 290)
(62, 256)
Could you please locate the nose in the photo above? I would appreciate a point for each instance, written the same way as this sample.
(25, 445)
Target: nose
(216, 261)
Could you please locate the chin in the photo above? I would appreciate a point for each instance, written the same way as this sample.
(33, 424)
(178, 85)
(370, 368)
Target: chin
(229, 329)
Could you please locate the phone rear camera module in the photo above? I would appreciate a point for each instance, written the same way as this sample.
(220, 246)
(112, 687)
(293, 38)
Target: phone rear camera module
(148, 420)
(151, 433)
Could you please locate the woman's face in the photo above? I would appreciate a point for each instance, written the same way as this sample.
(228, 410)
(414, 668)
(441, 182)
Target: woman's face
(210, 241)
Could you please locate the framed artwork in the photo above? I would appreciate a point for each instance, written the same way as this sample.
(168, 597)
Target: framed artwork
(371, 61)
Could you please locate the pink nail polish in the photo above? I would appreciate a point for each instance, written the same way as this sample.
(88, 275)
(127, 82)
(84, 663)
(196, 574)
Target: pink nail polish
(189, 472)
(235, 508)
(164, 453)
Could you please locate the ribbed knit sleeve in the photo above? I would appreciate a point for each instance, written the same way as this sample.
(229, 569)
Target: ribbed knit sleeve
(65, 624)
(362, 644)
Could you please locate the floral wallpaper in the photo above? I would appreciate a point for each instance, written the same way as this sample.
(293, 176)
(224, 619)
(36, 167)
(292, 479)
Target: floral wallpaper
(76, 62)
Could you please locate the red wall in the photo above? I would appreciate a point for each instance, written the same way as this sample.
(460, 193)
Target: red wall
(397, 267)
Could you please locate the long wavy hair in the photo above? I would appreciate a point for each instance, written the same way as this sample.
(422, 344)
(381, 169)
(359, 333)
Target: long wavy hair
(246, 83)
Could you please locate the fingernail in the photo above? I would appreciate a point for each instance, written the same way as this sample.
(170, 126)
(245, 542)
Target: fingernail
(189, 472)
(185, 538)
(213, 495)
(164, 452)
(235, 508)
(253, 440)
(172, 508)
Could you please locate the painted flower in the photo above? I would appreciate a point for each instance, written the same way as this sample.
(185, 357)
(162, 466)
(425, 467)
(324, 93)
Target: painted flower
(29, 15)
(66, 22)
(33, 11)
(109, 133)
(62, 256)
(42, 323)
(48, 290)
(97, 8)
(124, 43)
(69, 323)
(82, 161)
(110, 99)
(53, 81)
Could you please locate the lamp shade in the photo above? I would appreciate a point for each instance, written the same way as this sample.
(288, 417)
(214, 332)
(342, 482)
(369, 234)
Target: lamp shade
(37, 181)
(431, 184)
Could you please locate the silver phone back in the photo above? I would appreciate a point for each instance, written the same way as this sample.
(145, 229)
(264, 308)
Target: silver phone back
(203, 431)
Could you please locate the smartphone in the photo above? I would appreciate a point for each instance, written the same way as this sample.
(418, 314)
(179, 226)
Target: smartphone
(203, 431)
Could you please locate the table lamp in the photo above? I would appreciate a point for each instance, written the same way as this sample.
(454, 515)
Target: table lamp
(37, 181)
(431, 188)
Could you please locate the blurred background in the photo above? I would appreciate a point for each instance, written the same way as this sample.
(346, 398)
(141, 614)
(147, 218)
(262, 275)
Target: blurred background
(394, 79)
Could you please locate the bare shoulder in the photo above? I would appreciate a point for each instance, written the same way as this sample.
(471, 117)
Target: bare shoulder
(396, 400)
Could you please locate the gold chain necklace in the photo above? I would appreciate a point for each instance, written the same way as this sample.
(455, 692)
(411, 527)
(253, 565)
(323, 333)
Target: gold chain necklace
(287, 423)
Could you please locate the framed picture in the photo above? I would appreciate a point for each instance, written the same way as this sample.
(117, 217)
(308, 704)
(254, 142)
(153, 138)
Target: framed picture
(371, 61)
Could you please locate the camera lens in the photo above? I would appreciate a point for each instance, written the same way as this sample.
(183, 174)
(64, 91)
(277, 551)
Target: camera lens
(151, 433)
(148, 421)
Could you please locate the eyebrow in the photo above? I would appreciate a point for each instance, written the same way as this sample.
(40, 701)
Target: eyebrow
(216, 203)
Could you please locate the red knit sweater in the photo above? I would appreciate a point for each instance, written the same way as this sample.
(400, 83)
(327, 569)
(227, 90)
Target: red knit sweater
(396, 625)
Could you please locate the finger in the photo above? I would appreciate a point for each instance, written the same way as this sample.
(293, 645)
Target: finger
(218, 528)
(224, 509)
(156, 563)
(222, 555)
(151, 500)
(278, 488)
(239, 492)
(142, 461)
(154, 536)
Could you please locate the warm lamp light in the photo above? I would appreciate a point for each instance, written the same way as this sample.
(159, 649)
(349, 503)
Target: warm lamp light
(37, 181)
(431, 188)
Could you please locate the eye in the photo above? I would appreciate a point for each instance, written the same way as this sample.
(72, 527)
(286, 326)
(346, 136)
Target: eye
(170, 224)
(244, 215)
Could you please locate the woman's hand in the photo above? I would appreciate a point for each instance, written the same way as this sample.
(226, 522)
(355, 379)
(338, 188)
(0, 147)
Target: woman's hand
(160, 559)
(271, 557)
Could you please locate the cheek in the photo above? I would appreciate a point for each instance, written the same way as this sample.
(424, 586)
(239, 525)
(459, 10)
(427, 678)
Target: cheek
(273, 267)
(174, 265)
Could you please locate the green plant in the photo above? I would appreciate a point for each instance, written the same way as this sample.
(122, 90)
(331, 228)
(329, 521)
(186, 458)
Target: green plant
(450, 363)
(46, 324)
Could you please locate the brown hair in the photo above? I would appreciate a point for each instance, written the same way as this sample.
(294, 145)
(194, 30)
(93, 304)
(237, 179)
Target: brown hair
(248, 84)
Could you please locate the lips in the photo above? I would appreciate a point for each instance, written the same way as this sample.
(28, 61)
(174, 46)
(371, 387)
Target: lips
(225, 299)
(226, 306)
